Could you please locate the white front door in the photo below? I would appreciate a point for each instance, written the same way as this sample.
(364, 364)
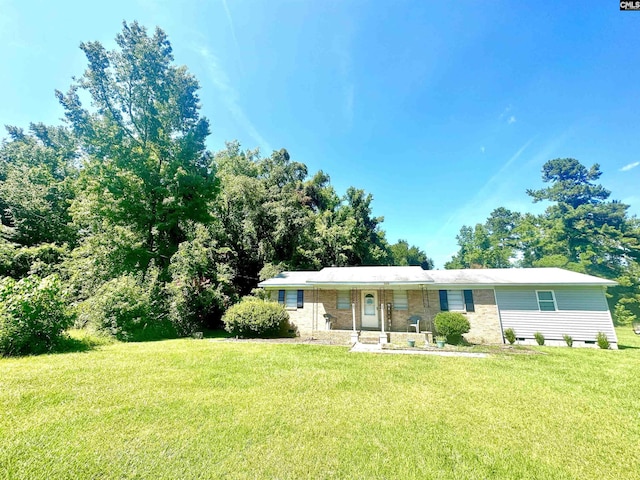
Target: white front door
(369, 310)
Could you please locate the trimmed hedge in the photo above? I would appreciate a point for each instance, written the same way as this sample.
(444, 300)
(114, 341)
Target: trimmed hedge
(253, 317)
(451, 325)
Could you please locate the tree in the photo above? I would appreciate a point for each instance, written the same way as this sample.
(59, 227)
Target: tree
(571, 183)
(489, 245)
(403, 254)
(37, 174)
(147, 170)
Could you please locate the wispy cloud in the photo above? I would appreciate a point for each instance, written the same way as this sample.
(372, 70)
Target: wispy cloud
(230, 96)
(507, 116)
(505, 112)
(482, 149)
(230, 20)
(629, 166)
(348, 87)
(484, 193)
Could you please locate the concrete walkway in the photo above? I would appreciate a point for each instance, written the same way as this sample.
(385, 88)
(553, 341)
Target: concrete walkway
(377, 348)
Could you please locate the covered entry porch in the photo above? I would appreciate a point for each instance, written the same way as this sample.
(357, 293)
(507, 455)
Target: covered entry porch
(386, 314)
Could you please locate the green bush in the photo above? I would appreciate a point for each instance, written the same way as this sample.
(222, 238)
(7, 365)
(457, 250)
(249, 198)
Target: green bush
(602, 340)
(253, 317)
(123, 309)
(510, 335)
(568, 339)
(539, 338)
(451, 325)
(33, 315)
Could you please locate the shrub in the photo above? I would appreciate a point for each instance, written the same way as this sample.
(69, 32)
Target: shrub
(33, 315)
(510, 335)
(452, 325)
(122, 308)
(568, 339)
(539, 338)
(602, 340)
(253, 317)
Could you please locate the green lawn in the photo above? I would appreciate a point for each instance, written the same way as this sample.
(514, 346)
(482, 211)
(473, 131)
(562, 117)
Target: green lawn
(218, 409)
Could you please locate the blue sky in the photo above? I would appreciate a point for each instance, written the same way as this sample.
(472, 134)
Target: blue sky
(442, 110)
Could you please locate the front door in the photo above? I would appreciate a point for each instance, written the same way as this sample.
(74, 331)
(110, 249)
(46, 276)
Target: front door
(369, 310)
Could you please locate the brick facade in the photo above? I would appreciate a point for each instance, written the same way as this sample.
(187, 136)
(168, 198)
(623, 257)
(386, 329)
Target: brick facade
(485, 321)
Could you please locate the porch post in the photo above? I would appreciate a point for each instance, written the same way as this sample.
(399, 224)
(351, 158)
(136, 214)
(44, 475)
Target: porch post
(353, 311)
(383, 336)
(354, 335)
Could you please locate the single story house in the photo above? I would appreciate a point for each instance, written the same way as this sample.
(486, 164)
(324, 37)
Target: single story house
(391, 301)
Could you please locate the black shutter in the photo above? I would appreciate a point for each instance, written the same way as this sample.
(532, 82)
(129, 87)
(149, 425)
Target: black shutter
(281, 296)
(468, 301)
(444, 301)
(300, 298)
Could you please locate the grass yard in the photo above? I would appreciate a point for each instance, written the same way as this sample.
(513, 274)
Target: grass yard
(219, 409)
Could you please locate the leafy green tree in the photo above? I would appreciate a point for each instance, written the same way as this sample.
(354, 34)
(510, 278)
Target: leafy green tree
(403, 254)
(37, 174)
(489, 245)
(147, 169)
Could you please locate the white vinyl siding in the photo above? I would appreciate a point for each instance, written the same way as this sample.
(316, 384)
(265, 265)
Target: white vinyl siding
(344, 300)
(456, 300)
(400, 300)
(581, 312)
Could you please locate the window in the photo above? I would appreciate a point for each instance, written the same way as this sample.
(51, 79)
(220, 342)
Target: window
(457, 301)
(546, 300)
(344, 300)
(400, 300)
(291, 298)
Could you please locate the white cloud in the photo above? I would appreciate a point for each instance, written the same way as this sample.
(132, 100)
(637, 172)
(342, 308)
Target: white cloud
(230, 97)
(512, 119)
(629, 166)
(505, 112)
(482, 149)
(230, 19)
(485, 193)
(345, 68)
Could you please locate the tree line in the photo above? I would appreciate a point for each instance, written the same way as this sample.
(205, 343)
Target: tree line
(582, 230)
(142, 223)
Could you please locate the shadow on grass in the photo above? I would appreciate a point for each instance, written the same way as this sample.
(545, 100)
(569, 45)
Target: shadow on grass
(79, 341)
(627, 347)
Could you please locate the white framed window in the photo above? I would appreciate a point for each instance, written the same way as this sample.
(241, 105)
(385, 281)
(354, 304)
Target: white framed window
(344, 300)
(546, 301)
(400, 300)
(456, 300)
